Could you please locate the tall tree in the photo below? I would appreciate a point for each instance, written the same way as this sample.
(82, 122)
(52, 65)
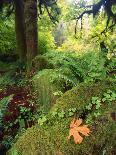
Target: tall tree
(31, 29)
(20, 30)
(26, 12)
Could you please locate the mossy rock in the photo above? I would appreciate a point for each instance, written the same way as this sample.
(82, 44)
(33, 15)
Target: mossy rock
(50, 84)
(52, 137)
(41, 62)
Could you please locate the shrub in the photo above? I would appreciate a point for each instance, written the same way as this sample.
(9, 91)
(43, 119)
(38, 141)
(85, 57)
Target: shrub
(6, 80)
(7, 36)
(111, 67)
(64, 70)
(46, 42)
(50, 84)
(88, 67)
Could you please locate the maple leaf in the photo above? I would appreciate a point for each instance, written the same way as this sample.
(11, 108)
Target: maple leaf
(75, 129)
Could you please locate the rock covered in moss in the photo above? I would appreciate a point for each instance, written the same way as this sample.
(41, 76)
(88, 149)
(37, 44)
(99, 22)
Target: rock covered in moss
(52, 138)
(50, 84)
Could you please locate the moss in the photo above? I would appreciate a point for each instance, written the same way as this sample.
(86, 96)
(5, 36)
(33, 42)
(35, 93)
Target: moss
(50, 84)
(41, 62)
(51, 138)
(82, 94)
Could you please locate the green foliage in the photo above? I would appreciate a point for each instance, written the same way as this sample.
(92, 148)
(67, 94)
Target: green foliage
(42, 120)
(12, 74)
(14, 152)
(72, 111)
(111, 67)
(95, 106)
(45, 37)
(6, 80)
(87, 67)
(93, 67)
(45, 88)
(109, 96)
(74, 9)
(8, 141)
(61, 114)
(7, 36)
(58, 93)
(64, 70)
(4, 103)
(50, 84)
(3, 106)
(46, 42)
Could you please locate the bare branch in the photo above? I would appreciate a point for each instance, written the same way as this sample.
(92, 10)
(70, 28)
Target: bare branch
(81, 16)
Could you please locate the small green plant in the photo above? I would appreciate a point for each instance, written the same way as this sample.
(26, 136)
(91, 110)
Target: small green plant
(61, 114)
(109, 96)
(55, 112)
(93, 107)
(89, 119)
(71, 111)
(8, 141)
(14, 152)
(3, 105)
(42, 120)
(89, 106)
(96, 103)
(58, 93)
(4, 102)
(24, 110)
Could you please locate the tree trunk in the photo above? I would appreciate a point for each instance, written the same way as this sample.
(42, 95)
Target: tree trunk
(31, 29)
(20, 30)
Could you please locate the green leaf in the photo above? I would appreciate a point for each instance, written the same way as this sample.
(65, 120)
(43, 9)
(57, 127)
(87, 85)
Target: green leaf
(61, 114)
(71, 113)
(42, 120)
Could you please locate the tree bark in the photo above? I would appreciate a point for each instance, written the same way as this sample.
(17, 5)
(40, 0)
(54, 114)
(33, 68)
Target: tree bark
(20, 30)
(31, 29)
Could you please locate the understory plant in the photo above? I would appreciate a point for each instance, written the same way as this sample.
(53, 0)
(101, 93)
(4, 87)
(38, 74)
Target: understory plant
(7, 35)
(86, 67)
(92, 109)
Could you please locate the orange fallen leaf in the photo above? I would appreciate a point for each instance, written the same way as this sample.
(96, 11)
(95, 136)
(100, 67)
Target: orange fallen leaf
(75, 129)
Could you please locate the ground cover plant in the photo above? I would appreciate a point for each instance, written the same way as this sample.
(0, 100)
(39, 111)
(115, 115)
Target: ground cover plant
(57, 77)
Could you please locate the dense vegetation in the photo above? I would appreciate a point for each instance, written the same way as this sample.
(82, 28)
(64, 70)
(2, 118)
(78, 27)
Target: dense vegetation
(57, 64)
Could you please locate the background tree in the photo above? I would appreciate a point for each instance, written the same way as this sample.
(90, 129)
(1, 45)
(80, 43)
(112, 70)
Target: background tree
(95, 9)
(20, 30)
(26, 17)
(31, 29)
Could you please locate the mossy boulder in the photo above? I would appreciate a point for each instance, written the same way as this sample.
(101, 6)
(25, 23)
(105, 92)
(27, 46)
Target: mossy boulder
(52, 137)
(41, 62)
(50, 84)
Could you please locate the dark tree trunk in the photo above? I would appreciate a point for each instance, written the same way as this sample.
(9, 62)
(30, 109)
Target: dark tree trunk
(20, 30)
(30, 14)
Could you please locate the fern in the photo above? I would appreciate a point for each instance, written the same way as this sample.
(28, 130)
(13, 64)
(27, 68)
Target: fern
(84, 68)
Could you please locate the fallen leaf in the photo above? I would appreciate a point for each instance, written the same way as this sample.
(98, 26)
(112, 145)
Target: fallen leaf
(75, 129)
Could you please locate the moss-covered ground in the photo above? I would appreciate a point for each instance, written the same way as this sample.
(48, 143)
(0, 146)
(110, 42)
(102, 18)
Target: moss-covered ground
(52, 137)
